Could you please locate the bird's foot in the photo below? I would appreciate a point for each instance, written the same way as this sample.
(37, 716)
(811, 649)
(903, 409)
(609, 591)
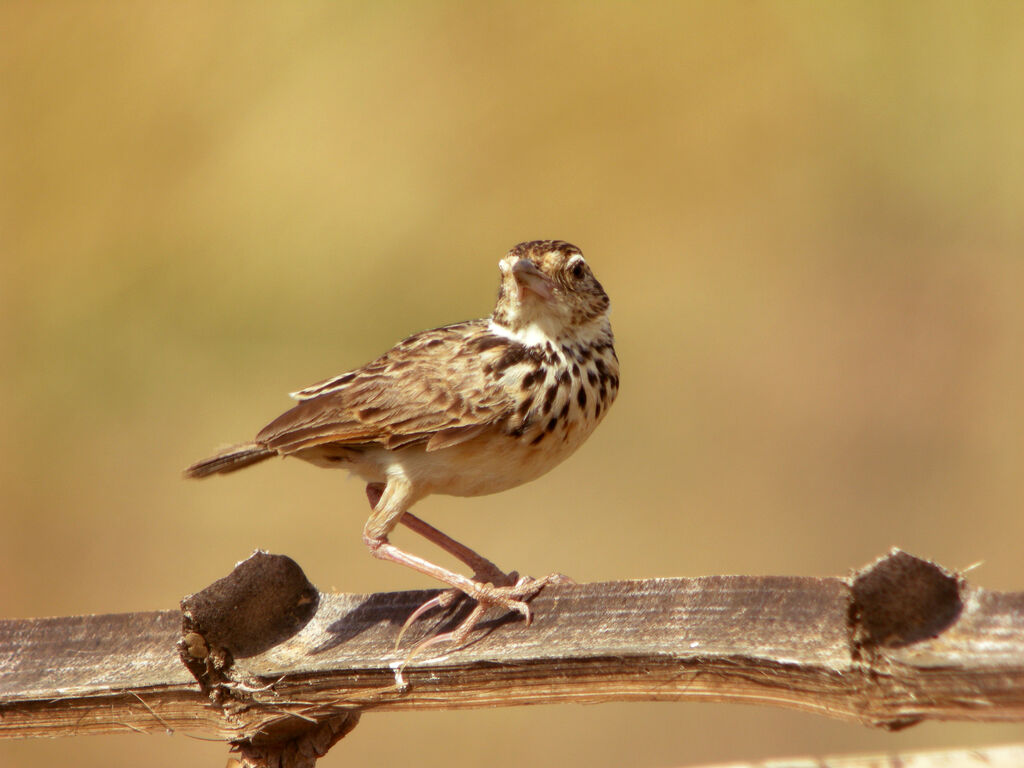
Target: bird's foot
(512, 597)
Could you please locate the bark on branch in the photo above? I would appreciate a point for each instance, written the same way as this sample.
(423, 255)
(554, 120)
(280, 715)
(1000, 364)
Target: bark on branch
(283, 671)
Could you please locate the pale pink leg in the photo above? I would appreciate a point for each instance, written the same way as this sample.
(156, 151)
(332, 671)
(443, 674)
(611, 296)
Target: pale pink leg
(483, 569)
(506, 591)
(505, 596)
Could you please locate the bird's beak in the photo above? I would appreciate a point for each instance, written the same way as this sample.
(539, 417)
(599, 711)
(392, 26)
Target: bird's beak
(530, 278)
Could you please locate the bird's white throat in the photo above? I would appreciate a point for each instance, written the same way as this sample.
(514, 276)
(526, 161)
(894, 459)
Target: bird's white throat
(530, 335)
(535, 334)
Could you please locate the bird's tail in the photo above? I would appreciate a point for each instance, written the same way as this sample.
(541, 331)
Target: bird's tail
(230, 459)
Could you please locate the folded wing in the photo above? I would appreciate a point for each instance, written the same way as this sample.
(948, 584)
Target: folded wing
(433, 388)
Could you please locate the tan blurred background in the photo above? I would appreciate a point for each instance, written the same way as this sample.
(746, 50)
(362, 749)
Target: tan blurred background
(808, 216)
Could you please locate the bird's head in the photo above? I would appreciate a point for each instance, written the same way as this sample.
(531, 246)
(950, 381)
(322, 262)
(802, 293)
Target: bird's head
(548, 292)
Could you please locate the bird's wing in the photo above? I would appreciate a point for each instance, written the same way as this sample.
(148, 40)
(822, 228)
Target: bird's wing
(438, 387)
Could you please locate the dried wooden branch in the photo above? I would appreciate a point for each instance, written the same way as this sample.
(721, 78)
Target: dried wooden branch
(283, 667)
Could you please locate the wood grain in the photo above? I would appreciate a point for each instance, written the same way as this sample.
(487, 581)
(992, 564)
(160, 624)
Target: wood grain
(839, 647)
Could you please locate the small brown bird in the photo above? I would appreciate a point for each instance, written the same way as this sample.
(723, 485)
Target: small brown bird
(465, 410)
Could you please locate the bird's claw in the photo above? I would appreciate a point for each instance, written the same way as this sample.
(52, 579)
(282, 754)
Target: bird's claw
(512, 597)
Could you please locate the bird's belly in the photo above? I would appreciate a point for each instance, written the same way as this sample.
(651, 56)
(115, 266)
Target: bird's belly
(489, 463)
(486, 464)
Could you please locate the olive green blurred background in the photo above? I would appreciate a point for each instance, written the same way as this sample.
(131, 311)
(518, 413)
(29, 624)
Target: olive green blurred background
(808, 217)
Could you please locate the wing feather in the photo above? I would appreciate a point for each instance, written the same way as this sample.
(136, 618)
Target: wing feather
(436, 387)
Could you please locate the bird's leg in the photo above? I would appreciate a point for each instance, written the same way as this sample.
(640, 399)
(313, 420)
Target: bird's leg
(389, 509)
(483, 569)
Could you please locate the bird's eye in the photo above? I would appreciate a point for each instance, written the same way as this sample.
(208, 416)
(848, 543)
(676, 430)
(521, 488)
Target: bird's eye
(578, 270)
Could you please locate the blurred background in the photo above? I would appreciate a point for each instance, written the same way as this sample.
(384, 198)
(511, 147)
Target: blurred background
(808, 217)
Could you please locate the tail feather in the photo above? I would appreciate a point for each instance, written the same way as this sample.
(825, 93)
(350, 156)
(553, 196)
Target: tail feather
(230, 459)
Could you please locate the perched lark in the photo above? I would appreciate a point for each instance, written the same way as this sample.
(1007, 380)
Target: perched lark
(465, 410)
